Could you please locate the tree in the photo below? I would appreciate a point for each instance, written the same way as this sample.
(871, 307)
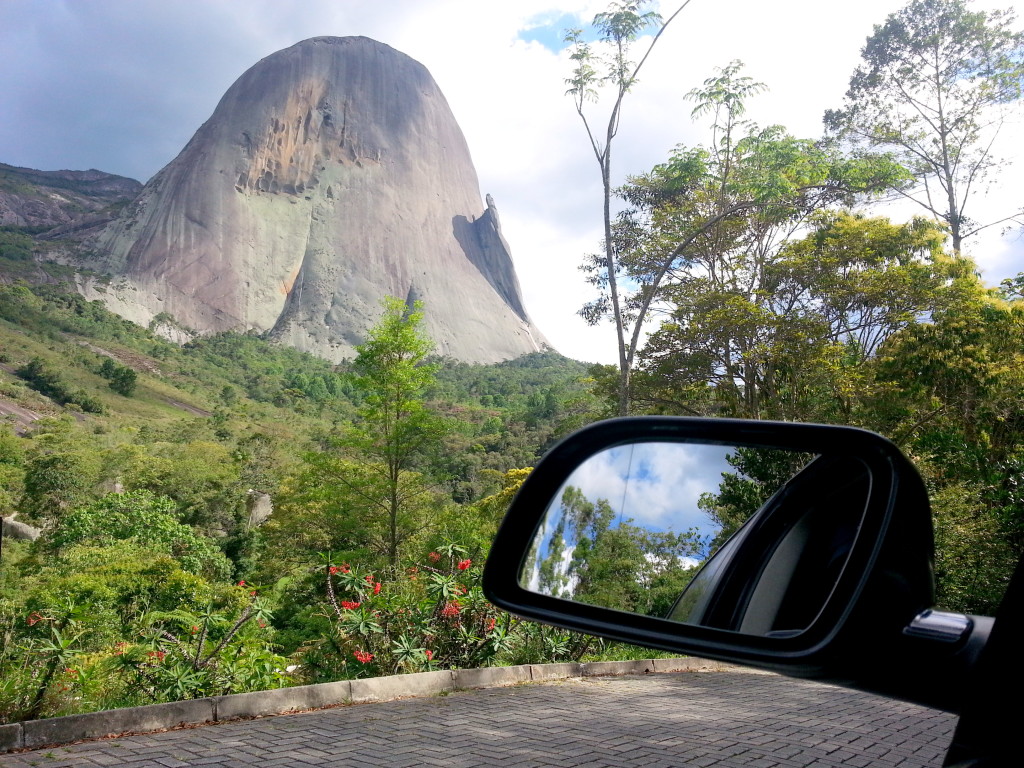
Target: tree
(395, 428)
(744, 193)
(707, 227)
(949, 391)
(932, 86)
(785, 332)
(146, 519)
(618, 28)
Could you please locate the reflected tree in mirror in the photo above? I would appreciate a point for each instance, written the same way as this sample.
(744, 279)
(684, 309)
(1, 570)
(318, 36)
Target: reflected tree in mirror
(759, 472)
(658, 529)
(625, 531)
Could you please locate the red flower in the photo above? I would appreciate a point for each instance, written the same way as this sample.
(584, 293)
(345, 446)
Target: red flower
(430, 655)
(363, 657)
(34, 618)
(369, 578)
(333, 570)
(194, 629)
(464, 564)
(263, 624)
(241, 583)
(434, 557)
(348, 605)
(490, 624)
(345, 568)
(376, 588)
(451, 608)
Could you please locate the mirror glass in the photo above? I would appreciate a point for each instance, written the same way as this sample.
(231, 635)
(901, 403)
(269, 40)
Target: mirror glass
(744, 538)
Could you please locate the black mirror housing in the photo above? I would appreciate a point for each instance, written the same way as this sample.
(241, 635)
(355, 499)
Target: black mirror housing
(886, 581)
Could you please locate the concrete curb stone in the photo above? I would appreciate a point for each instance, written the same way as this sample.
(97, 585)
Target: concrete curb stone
(11, 737)
(282, 700)
(492, 677)
(689, 664)
(555, 671)
(602, 668)
(154, 717)
(398, 686)
(54, 730)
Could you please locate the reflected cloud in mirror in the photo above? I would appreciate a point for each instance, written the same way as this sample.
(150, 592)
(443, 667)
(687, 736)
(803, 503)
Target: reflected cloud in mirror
(651, 529)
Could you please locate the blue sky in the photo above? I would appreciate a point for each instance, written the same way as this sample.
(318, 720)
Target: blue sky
(548, 30)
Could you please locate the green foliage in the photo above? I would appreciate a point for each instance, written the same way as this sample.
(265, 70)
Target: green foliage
(717, 216)
(60, 473)
(146, 519)
(47, 381)
(220, 650)
(15, 246)
(591, 557)
(786, 333)
(122, 379)
(201, 476)
(395, 427)
(950, 393)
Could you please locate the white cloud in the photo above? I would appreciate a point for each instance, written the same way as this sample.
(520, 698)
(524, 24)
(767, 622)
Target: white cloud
(657, 485)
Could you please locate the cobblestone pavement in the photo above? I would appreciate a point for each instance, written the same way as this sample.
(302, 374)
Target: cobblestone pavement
(729, 719)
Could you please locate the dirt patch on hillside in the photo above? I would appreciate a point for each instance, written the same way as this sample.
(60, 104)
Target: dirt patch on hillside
(124, 357)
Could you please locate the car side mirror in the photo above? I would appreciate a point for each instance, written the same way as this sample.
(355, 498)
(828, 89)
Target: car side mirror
(609, 535)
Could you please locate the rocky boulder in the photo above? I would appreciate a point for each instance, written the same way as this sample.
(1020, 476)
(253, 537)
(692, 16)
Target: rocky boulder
(331, 174)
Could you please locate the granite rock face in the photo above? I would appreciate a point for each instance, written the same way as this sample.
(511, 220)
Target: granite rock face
(65, 202)
(331, 174)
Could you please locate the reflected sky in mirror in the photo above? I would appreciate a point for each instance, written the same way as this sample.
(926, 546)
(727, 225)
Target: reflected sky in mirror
(656, 485)
(626, 529)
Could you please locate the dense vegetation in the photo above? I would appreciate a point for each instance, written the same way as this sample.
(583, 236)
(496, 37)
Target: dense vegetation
(153, 579)
(232, 515)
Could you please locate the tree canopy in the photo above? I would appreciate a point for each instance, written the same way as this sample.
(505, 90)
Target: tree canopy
(932, 88)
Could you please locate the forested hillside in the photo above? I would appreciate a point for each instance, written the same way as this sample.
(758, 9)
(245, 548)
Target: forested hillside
(152, 469)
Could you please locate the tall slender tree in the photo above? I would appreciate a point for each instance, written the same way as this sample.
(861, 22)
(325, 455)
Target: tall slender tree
(396, 427)
(618, 29)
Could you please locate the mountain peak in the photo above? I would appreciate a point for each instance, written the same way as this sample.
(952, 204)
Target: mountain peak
(332, 173)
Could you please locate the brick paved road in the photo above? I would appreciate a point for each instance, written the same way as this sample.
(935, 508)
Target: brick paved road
(724, 719)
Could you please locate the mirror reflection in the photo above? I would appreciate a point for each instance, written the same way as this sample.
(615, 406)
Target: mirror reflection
(661, 529)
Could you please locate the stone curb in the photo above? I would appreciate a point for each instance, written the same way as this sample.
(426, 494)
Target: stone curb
(55, 731)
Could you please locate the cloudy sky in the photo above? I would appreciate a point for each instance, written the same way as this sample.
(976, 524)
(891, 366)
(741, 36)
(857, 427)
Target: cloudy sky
(121, 86)
(656, 485)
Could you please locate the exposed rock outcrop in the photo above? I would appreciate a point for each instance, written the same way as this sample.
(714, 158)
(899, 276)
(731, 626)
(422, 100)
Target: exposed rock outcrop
(64, 202)
(331, 174)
